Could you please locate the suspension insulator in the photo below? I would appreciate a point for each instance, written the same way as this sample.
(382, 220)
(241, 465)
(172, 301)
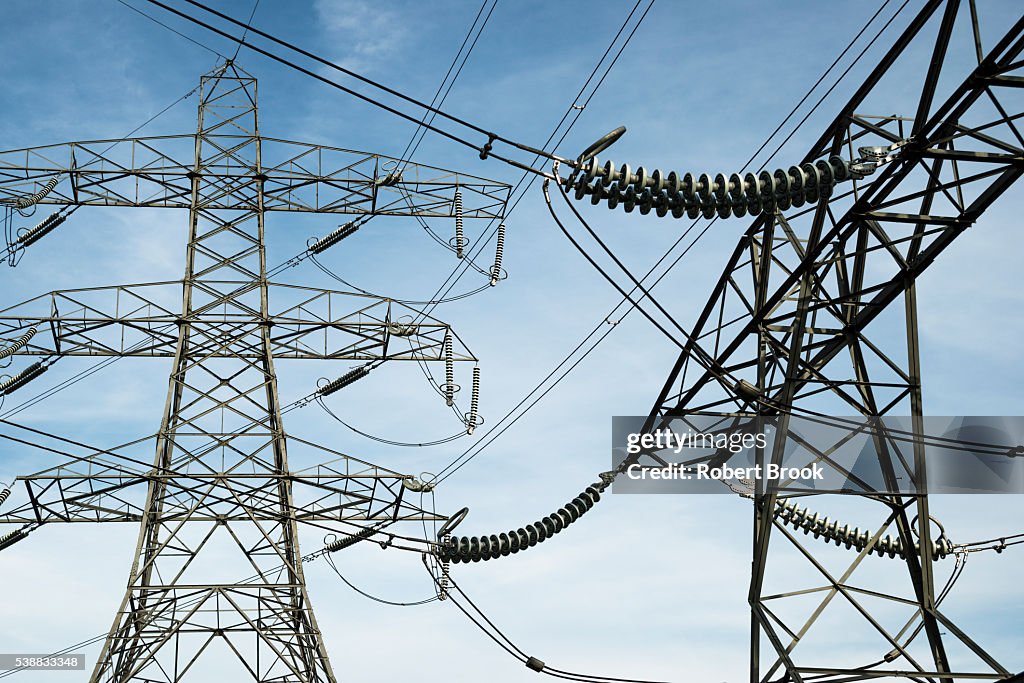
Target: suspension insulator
(449, 370)
(37, 233)
(474, 403)
(343, 231)
(25, 202)
(802, 519)
(708, 194)
(498, 253)
(350, 539)
(446, 566)
(5, 493)
(17, 344)
(474, 548)
(343, 381)
(460, 238)
(22, 378)
(10, 539)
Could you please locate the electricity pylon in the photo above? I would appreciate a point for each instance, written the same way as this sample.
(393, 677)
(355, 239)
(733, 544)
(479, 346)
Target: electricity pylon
(225, 493)
(817, 310)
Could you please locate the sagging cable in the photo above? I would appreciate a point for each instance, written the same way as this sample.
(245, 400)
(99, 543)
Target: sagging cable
(498, 253)
(476, 615)
(30, 373)
(477, 548)
(390, 442)
(346, 379)
(18, 344)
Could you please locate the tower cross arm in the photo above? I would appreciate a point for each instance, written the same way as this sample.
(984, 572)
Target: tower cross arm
(295, 177)
(109, 487)
(139, 320)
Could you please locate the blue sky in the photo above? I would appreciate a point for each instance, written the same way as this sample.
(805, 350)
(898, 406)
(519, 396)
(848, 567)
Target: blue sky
(645, 586)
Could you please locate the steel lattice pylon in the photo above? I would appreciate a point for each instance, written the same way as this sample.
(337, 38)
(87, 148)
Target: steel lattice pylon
(786, 328)
(222, 500)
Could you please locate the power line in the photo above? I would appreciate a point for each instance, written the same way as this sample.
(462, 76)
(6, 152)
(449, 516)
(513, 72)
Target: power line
(172, 30)
(334, 84)
(519, 187)
(248, 25)
(479, 446)
(492, 631)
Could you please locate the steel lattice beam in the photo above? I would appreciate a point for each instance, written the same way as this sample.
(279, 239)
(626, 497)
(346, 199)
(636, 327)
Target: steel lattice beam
(225, 480)
(796, 314)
